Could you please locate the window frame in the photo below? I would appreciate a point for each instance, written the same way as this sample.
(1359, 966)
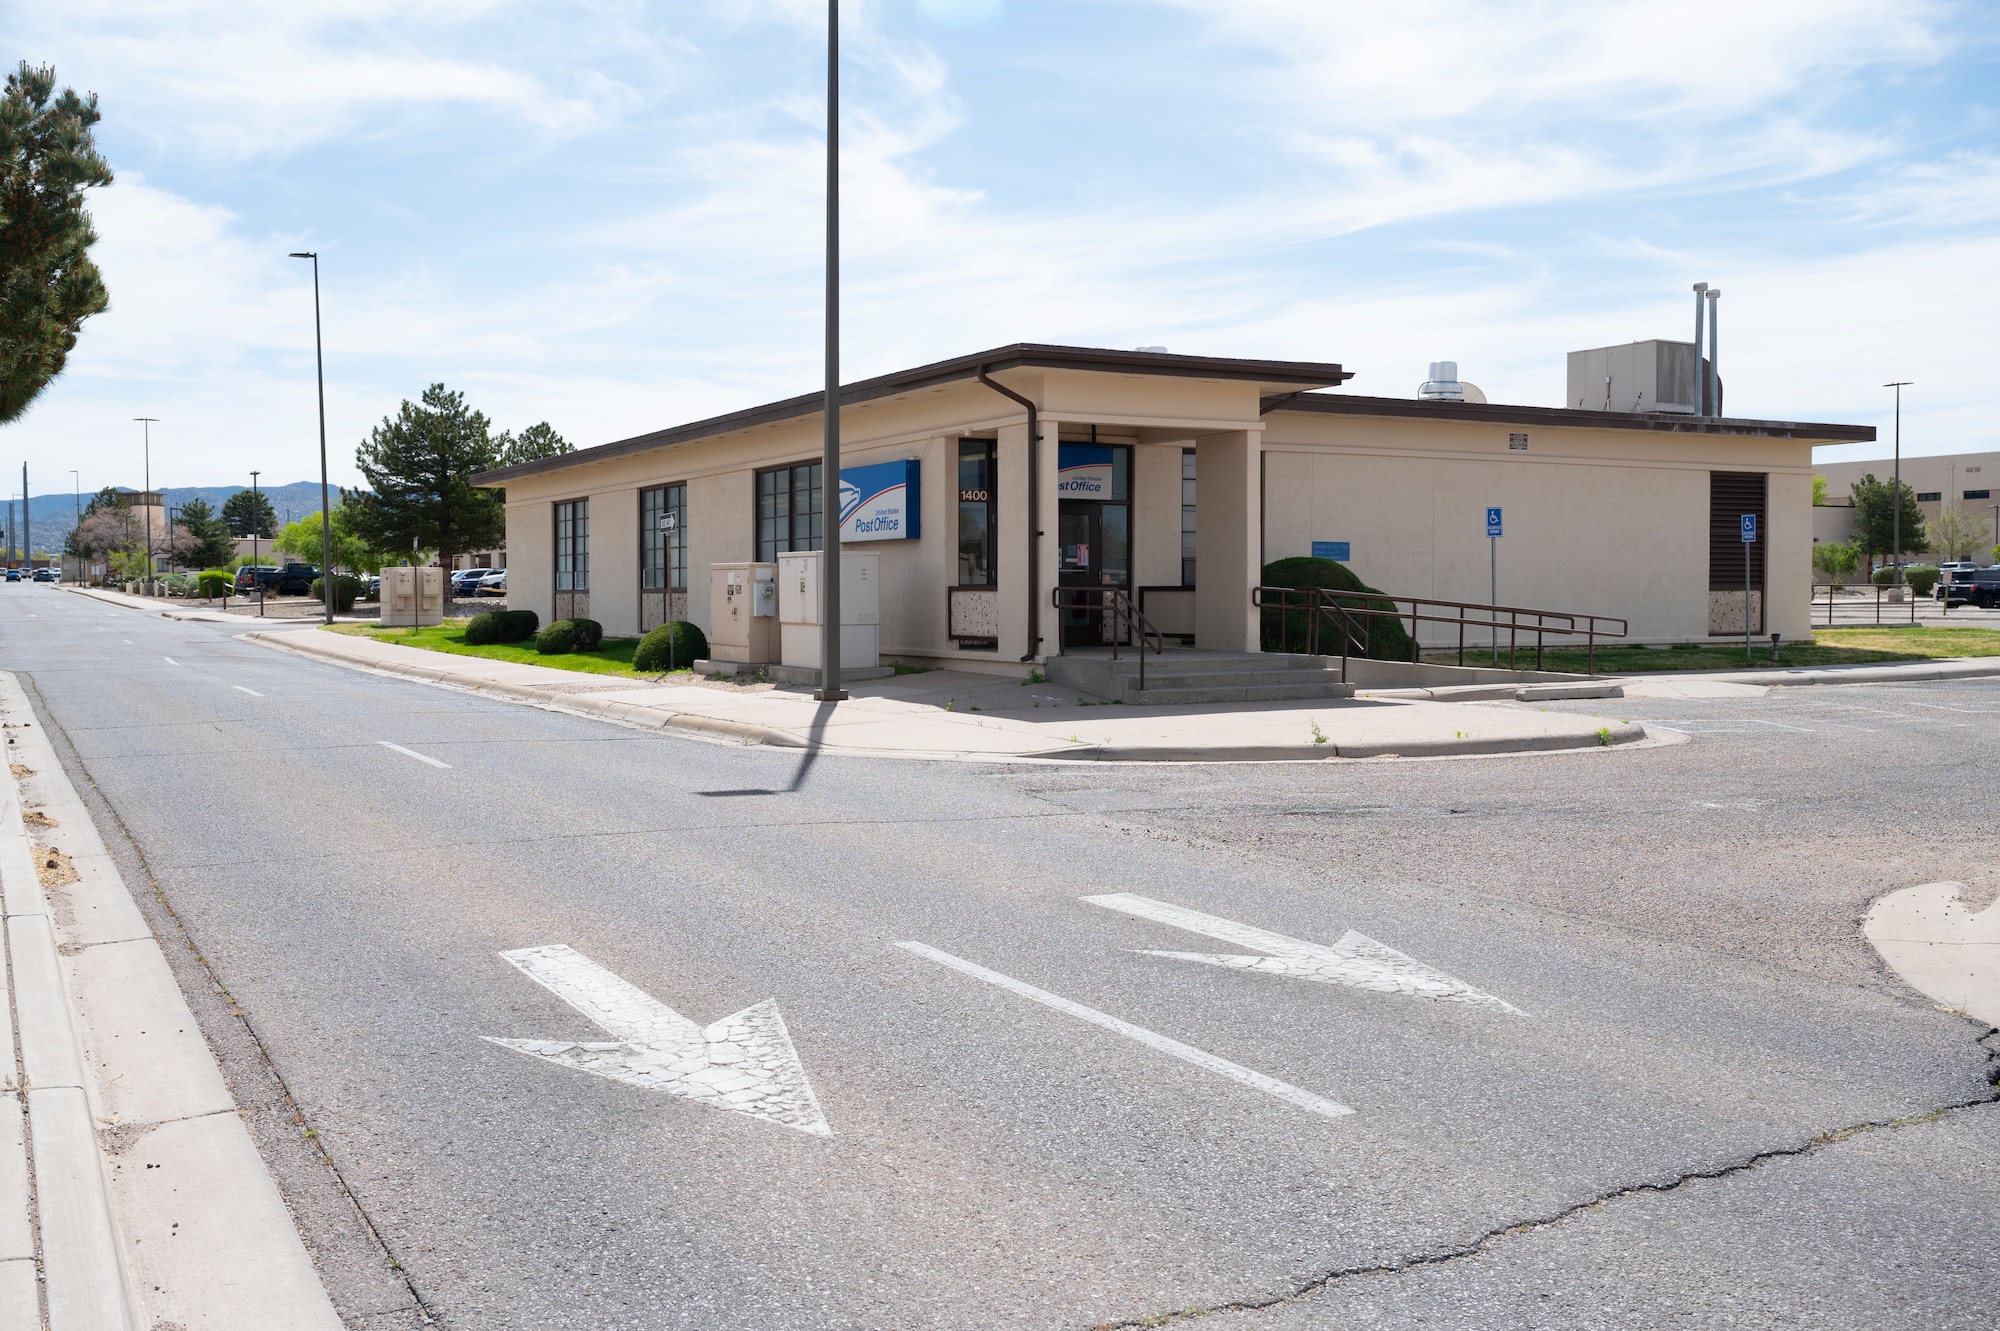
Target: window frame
(989, 505)
(572, 544)
(653, 501)
(771, 541)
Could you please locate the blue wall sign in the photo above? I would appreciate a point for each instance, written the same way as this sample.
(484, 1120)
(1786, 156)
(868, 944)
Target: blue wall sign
(1749, 528)
(1334, 550)
(1493, 522)
(882, 502)
(1083, 471)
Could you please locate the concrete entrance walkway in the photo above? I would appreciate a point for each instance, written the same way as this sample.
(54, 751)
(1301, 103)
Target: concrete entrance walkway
(950, 714)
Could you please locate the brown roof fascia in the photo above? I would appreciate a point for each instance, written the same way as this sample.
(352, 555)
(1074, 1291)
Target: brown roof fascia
(1345, 405)
(1022, 355)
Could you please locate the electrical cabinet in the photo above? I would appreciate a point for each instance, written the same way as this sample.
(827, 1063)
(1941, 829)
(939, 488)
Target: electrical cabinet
(412, 597)
(860, 609)
(743, 613)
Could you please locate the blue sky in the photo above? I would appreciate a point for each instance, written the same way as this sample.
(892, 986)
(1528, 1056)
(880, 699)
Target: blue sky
(606, 215)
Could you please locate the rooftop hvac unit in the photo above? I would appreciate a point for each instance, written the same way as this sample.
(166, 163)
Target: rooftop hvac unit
(1635, 377)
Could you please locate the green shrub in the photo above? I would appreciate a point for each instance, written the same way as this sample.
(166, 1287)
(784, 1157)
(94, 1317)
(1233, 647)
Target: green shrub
(345, 589)
(1922, 578)
(569, 635)
(494, 626)
(673, 646)
(1288, 629)
(216, 582)
(1883, 576)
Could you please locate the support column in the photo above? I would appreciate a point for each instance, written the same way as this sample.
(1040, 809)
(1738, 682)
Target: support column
(1228, 539)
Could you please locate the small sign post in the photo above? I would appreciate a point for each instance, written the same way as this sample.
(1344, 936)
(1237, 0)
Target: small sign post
(1749, 539)
(1493, 553)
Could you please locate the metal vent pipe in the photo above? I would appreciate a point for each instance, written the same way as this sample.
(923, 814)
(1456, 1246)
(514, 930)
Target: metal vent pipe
(1700, 361)
(1714, 368)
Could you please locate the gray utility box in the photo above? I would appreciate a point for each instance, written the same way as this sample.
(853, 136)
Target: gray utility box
(743, 613)
(412, 597)
(1638, 377)
(860, 609)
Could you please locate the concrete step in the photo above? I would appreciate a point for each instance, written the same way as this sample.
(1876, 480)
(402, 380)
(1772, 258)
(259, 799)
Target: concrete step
(1229, 679)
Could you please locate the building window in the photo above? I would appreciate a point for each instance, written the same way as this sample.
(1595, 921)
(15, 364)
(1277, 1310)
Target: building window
(657, 542)
(573, 546)
(1978, 494)
(1187, 517)
(788, 510)
(976, 501)
(1929, 496)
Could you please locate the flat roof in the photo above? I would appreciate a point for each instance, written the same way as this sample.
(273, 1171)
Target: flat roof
(1344, 404)
(1021, 355)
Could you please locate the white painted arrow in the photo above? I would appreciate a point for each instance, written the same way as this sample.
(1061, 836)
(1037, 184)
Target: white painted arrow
(745, 1062)
(1356, 961)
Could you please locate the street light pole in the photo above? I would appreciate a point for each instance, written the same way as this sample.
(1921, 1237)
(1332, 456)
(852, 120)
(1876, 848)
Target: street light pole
(150, 422)
(76, 482)
(256, 510)
(829, 472)
(1896, 510)
(325, 515)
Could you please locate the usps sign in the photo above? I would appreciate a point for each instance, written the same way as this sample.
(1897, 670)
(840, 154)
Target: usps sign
(882, 502)
(1084, 471)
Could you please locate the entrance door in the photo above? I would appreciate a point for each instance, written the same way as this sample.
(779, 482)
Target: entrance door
(1094, 550)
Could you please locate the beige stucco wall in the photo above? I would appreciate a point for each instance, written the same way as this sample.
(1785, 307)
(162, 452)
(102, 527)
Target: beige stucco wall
(1609, 522)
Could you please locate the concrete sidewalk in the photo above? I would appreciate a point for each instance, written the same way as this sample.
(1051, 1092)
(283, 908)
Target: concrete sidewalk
(143, 1202)
(955, 714)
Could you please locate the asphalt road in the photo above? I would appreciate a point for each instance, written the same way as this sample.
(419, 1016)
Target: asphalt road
(1677, 927)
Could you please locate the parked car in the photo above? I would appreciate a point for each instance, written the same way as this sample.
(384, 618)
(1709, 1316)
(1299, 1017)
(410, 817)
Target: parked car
(293, 579)
(493, 584)
(466, 580)
(1980, 587)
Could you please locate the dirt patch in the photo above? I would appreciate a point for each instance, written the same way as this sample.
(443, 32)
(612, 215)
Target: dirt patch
(53, 867)
(36, 818)
(123, 1137)
(19, 771)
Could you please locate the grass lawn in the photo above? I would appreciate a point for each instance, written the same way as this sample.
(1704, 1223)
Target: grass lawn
(1856, 646)
(613, 658)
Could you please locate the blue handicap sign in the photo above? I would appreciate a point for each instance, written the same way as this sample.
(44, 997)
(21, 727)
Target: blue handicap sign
(1749, 527)
(1492, 522)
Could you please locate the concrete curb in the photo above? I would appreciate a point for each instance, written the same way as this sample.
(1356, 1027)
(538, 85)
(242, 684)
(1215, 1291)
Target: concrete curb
(1920, 672)
(176, 1218)
(609, 709)
(744, 732)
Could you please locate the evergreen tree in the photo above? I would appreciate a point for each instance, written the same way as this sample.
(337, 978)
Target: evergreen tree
(249, 512)
(1875, 517)
(211, 546)
(48, 285)
(532, 445)
(419, 466)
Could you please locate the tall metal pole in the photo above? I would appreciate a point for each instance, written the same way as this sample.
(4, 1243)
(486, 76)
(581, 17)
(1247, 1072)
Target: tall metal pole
(1700, 360)
(1896, 512)
(145, 508)
(27, 521)
(325, 509)
(1712, 295)
(255, 510)
(76, 482)
(829, 472)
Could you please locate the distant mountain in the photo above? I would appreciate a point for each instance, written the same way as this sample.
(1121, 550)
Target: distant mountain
(54, 514)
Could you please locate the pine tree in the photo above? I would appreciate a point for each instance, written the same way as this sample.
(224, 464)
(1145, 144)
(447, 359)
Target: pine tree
(248, 513)
(419, 466)
(48, 285)
(212, 546)
(1875, 517)
(532, 445)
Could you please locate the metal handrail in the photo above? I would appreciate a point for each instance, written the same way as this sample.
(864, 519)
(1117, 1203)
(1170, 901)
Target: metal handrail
(1352, 630)
(1125, 618)
(1881, 591)
(1516, 619)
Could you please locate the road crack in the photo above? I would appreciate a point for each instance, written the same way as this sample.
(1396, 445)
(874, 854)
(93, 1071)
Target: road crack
(1317, 1285)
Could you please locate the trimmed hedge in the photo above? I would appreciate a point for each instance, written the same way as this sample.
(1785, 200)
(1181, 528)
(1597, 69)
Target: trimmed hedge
(674, 646)
(345, 589)
(216, 582)
(1284, 630)
(496, 626)
(569, 635)
(1922, 578)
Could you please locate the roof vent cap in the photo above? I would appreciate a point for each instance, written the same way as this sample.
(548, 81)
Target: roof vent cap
(1160, 349)
(1443, 385)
